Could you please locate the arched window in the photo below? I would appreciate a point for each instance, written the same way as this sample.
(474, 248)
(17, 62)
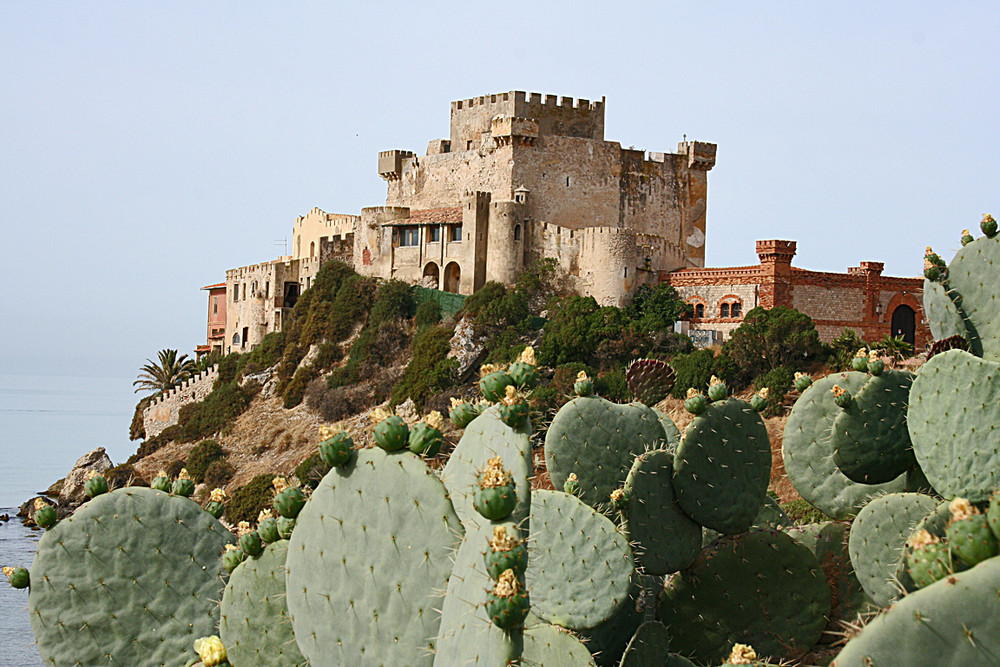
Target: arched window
(312, 249)
(236, 338)
(735, 310)
(724, 310)
(699, 310)
(517, 232)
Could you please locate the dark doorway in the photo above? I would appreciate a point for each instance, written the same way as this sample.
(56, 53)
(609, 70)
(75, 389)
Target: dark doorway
(291, 294)
(904, 324)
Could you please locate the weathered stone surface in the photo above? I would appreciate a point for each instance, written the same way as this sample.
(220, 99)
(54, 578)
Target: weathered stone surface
(466, 348)
(72, 491)
(27, 510)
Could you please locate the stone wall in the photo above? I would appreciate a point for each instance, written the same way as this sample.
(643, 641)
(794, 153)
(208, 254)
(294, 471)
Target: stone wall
(164, 411)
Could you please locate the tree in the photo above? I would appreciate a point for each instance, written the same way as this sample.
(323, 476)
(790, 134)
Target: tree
(656, 308)
(769, 339)
(166, 373)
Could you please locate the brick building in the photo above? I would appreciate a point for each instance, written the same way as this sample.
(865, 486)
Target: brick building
(861, 299)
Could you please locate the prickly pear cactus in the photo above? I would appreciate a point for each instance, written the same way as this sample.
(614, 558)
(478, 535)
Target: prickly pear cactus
(133, 574)
(759, 588)
(876, 542)
(971, 282)
(598, 440)
(955, 621)
(808, 452)
(649, 646)
(553, 646)
(941, 313)
(649, 380)
(954, 410)
(254, 623)
(370, 553)
(870, 442)
(664, 538)
(569, 545)
(722, 467)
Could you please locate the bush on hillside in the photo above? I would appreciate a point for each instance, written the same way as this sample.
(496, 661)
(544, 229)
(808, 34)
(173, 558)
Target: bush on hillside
(842, 349)
(311, 470)
(247, 501)
(220, 409)
(123, 475)
(219, 473)
(201, 456)
(771, 338)
(657, 307)
(692, 371)
(174, 468)
(778, 382)
(429, 371)
(428, 314)
(576, 326)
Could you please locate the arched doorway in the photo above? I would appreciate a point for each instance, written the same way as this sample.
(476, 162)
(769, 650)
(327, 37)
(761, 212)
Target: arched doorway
(452, 277)
(431, 276)
(904, 324)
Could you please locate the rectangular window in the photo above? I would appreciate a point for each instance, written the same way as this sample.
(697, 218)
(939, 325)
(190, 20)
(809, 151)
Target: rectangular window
(433, 234)
(236, 293)
(454, 233)
(215, 305)
(409, 236)
(267, 290)
(724, 310)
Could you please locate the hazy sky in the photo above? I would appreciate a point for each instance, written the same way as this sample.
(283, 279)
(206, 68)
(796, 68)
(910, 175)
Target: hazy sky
(147, 147)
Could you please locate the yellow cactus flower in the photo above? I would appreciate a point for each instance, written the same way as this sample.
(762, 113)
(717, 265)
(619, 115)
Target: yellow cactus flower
(714, 381)
(183, 474)
(279, 483)
(581, 377)
(988, 218)
(965, 232)
(91, 474)
(379, 415)
(527, 356)
(325, 431)
(617, 495)
(742, 655)
(486, 369)
(434, 420)
(7, 571)
(232, 547)
(692, 392)
(873, 355)
(211, 650)
(838, 390)
(494, 474)
(455, 402)
(242, 528)
(502, 540)
(928, 264)
(507, 585)
(921, 539)
(763, 393)
(510, 397)
(928, 251)
(217, 495)
(961, 508)
(572, 477)
(264, 514)
(860, 354)
(162, 473)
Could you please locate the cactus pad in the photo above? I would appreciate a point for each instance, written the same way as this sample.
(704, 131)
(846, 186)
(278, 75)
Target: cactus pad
(370, 553)
(876, 542)
(759, 588)
(254, 623)
(649, 380)
(133, 574)
(954, 622)
(722, 467)
(598, 440)
(579, 565)
(648, 647)
(664, 538)
(553, 646)
(808, 452)
(972, 275)
(941, 313)
(954, 423)
(484, 438)
(870, 442)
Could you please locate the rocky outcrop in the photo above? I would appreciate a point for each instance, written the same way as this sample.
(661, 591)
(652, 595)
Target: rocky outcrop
(466, 348)
(72, 492)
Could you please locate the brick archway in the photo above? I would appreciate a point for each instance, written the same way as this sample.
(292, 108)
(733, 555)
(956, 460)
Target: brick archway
(910, 301)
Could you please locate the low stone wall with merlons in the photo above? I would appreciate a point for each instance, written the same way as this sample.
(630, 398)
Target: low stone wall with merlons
(165, 410)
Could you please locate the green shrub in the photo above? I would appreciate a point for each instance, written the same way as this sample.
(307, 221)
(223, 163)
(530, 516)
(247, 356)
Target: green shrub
(801, 512)
(612, 385)
(267, 353)
(174, 468)
(311, 471)
(771, 338)
(296, 389)
(657, 307)
(219, 473)
(123, 475)
(220, 409)
(229, 368)
(486, 294)
(778, 382)
(201, 457)
(247, 501)
(576, 326)
(429, 371)
(842, 349)
(137, 430)
(428, 314)
(895, 347)
(692, 370)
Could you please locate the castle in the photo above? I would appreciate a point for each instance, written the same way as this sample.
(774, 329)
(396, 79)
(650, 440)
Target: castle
(520, 177)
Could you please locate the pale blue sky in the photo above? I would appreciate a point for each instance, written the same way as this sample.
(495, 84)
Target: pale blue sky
(147, 147)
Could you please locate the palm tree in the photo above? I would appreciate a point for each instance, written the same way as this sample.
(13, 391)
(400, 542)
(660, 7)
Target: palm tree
(169, 372)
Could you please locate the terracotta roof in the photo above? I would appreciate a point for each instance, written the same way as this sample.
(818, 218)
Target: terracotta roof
(215, 286)
(431, 216)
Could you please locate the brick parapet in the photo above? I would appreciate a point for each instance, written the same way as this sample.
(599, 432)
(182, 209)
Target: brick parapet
(164, 410)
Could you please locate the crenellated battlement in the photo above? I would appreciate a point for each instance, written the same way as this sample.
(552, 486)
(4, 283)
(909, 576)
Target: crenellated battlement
(555, 115)
(164, 410)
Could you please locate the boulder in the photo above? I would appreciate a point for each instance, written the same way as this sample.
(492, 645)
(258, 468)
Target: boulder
(72, 492)
(27, 510)
(466, 348)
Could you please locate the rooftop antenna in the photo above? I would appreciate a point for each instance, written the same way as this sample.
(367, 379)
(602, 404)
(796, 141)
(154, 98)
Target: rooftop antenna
(284, 244)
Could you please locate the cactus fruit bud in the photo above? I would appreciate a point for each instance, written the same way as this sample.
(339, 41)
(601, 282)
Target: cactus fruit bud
(966, 237)
(45, 514)
(95, 485)
(161, 482)
(392, 434)
(841, 396)
(759, 400)
(507, 604)
(742, 655)
(571, 485)
(494, 384)
(927, 559)
(934, 267)
(182, 486)
(583, 386)
(495, 498)
(285, 526)
(425, 438)
(802, 381)
(267, 527)
(988, 225)
(506, 552)
(695, 403)
(211, 651)
(969, 534)
(618, 499)
(860, 360)
(214, 505)
(336, 449)
(875, 365)
(523, 371)
(19, 578)
(717, 389)
(462, 413)
(513, 408)
(232, 557)
(251, 544)
(289, 501)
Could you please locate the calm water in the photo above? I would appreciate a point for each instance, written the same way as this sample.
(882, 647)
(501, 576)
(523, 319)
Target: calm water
(46, 424)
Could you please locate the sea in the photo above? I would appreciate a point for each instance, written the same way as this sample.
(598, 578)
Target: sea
(46, 424)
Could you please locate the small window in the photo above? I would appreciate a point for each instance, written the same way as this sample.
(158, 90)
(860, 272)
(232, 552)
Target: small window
(215, 305)
(244, 291)
(236, 338)
(312, 249)
(433, 234)
(468, 145)
(409, 236)
(246, 335)
(267, 290)
(454, 232)
(724, 310)
(517, 232)
(699, 310)
(236, 293)
(567, 182)
(734, 310)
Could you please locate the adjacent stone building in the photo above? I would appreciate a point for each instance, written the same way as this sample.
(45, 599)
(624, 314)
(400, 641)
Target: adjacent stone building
(861, 299)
